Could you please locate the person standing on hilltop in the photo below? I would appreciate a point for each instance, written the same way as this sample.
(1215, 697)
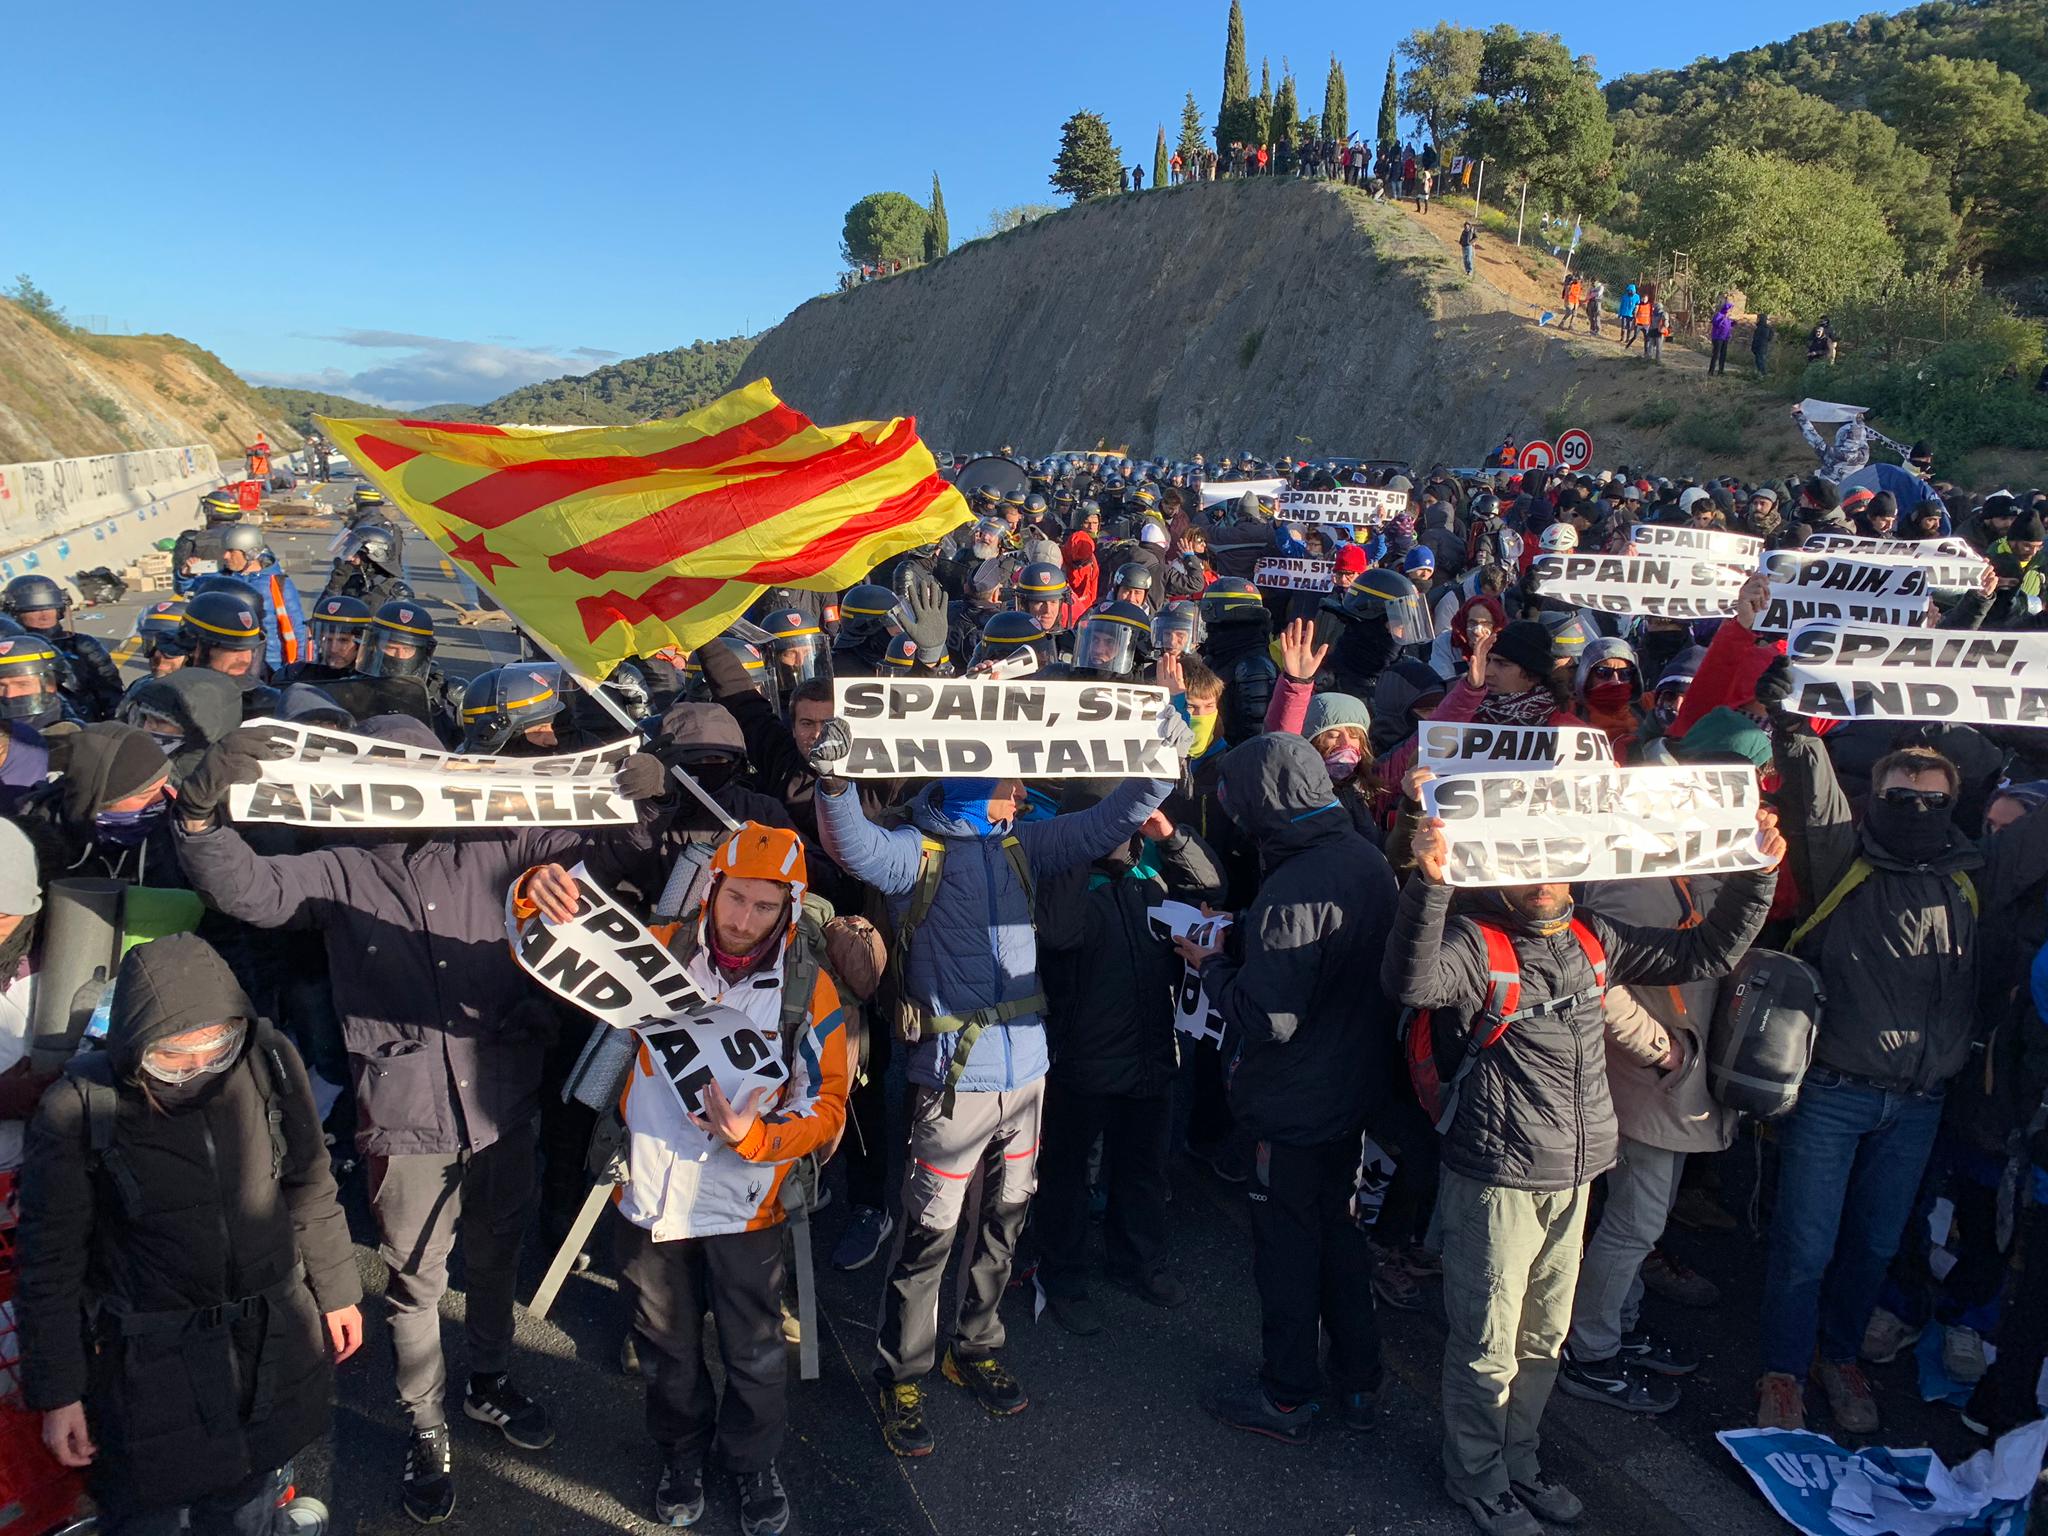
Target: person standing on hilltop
(1596, 300)
(1467, 238)
(1760, 341)
(1625, 311)
(1719, 331)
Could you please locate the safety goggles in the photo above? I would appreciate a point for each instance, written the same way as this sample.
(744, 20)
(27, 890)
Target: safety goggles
(195, 1053)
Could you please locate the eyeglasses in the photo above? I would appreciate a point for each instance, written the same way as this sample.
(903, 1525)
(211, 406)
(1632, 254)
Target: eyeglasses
(1919, 799)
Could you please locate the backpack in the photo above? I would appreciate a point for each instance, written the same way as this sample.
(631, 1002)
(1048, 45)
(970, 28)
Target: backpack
(1766, 1021)
(912, 1022)
(91, 1076)
(1502, 1008)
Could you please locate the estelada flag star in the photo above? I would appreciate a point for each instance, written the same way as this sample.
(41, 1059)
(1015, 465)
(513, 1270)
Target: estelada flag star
(609, 542)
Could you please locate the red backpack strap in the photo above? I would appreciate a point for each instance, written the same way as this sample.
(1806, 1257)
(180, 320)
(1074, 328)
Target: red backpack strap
(1596, 952)
(1503, 984)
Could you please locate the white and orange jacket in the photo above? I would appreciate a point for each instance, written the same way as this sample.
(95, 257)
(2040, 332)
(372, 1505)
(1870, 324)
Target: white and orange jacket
(683, 1182)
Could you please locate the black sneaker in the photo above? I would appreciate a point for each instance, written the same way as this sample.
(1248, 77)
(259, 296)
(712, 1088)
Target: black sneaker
(494, 1400)
(1360, 1412)
(863, 1238)
(679, 1495)
(764, 1507)
(1156, 1286)
(1076, 1314)
(1617, 1384)
(428, 1487)
(903, 1426)
(1656, 1355)
(993, 1386)
(1249, 1408)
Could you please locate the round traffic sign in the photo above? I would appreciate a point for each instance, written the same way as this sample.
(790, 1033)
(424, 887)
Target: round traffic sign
(1536, 455)
(1575, 448)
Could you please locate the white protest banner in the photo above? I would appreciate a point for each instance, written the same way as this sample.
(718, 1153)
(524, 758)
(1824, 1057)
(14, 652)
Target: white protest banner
(1193, 1014)
(952, 727)
(1728, 548)
(1806, 586)
(1346, 504)
(1460, 746)
(1951, 565)
(609, 965)
(335, 778)
(1674, 586)
(1597, 823)
(1886, 672)
(1294, 575)
(1214, 491)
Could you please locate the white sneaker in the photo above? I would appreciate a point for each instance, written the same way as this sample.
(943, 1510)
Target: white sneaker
(1962, 1355)
(1886, 1336)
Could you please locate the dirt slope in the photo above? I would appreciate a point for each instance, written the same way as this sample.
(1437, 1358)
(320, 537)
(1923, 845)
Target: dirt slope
(1269, 315)
(67, 395)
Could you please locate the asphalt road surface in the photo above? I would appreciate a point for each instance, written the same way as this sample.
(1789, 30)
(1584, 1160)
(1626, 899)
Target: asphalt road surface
(1115, 1442)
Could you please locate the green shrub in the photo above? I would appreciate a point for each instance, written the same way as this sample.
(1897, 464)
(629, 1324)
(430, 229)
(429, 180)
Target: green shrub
(104, 408)
(1716, 431)
(1249, 347)
(1652, 414)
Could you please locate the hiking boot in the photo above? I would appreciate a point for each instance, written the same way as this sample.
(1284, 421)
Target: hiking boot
(1962, 1355)
(861, 1243)
(1501, 1515)
(903, 1426)
(1616, 1383)
(1849, 1396)
(1156, 1286)
(1702, 1211)
(1656, 1355)
(1665, 1276)
(1549, 1498)
(1250, 1408)
(1360, 1412)
(495, 1401)
(764, 1506)
(1780, 1401)
(1886, 1337)
(993, 1387)
(1393, 1284)
(427, 1489)
(1076, 1314)
(679, 1495)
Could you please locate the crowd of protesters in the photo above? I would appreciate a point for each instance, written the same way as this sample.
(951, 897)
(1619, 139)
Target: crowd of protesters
(186, 1281)
(1393, 170)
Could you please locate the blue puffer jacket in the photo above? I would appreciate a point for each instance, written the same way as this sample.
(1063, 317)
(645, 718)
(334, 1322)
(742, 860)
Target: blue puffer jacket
(976, 947)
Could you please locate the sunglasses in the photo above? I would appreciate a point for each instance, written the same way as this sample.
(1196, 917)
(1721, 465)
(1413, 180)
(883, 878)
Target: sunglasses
(1919, 799)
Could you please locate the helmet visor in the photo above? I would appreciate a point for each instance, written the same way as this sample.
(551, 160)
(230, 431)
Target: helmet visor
(389, 655)
(1105, 645)
(1408, 620)
(799, 658)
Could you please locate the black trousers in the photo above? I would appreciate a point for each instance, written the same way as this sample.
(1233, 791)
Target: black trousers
(1718, 362)
(737, 1278)
(1209, 1118)
(865, 1147)
(1313, 1269)
(1137, 1135)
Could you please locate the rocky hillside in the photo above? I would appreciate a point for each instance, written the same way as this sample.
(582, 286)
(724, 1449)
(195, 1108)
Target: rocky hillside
(67, 393)
(1274, 316)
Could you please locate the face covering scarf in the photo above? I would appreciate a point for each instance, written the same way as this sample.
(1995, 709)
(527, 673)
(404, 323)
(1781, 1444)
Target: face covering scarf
(129, 829)
(1534, 707)
(1916, 834)
(967, 800)
(1342, 763)
(1204, 727)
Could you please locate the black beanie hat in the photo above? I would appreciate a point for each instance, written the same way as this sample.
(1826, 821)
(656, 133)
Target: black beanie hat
(2029, 529)
(1527, 644)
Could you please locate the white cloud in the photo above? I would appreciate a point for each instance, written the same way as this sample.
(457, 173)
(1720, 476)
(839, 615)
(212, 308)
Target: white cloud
(434, 370)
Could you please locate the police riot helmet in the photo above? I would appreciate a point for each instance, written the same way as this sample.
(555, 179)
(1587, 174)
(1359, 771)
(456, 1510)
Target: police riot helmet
(1113, 640)
(1227, 595)
(35, 594)
(220, 618)
(796, 645)
(1386, 594)
(159, 628)
(220, 506)
(1178, 630)
(399, 641)
(1133, 576)
(337, 620)
(375, 545)
(1007, 633)
(866, 611)
(31, 677)
(1039, 581)
(508, 701)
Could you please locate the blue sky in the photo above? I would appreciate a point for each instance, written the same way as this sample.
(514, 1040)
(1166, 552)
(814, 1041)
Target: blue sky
(437, 201)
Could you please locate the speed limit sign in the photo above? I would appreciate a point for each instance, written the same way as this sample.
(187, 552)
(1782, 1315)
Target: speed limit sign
(1575, 448)
(1536, 455)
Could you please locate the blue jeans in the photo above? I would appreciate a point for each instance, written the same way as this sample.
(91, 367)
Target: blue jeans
(1468, 260)
(1849, 1165)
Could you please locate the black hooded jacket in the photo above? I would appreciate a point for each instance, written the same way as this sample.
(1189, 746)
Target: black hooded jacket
(1534, 1112)
(118, 1296)
(1238, 651)
(96, 766)
(1312, 1027)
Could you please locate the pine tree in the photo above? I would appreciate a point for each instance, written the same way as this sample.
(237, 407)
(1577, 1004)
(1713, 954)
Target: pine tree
(1262, 120)
(1192, 142)
(1336, 104)
(938, 239)
(1237, 88)
(1390, 120)
(1088, 164)
(1286, 108)
(1160, 169)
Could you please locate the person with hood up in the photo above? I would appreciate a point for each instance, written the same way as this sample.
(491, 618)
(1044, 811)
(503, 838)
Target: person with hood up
(104, 814)
(1241, 540)
(1891, 922)
(447, 1039)
(1109, 985)
(1307, 1078)
(958, 882)
(1720, 330)
(702, 1194)
(21, 905)
(185, 712)
(1529, 1125)
(1609, 685)
(1625, 312)
(185, 1265)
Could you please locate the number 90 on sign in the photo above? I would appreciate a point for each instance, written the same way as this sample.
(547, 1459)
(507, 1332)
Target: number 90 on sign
(1575, 449)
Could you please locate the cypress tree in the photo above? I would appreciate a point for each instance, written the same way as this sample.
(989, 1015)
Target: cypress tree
(1286, 108)
(1336, 104)
(1237, 87)
(1161, 171)
(1390, 121)
(938, 239)
(1262, 109)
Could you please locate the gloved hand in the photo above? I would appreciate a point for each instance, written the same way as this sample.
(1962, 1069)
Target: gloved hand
(926, 600)
(642, 777)
(829, 753)
(1176, 732)
(236, 759)
(1774, 687)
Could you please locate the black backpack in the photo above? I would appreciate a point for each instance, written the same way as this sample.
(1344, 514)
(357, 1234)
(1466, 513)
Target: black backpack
(1765, 1025)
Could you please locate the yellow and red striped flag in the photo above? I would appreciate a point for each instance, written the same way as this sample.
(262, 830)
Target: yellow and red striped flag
(609, 542)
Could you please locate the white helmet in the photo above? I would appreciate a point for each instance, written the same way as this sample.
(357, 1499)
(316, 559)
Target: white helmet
(1559, 539)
